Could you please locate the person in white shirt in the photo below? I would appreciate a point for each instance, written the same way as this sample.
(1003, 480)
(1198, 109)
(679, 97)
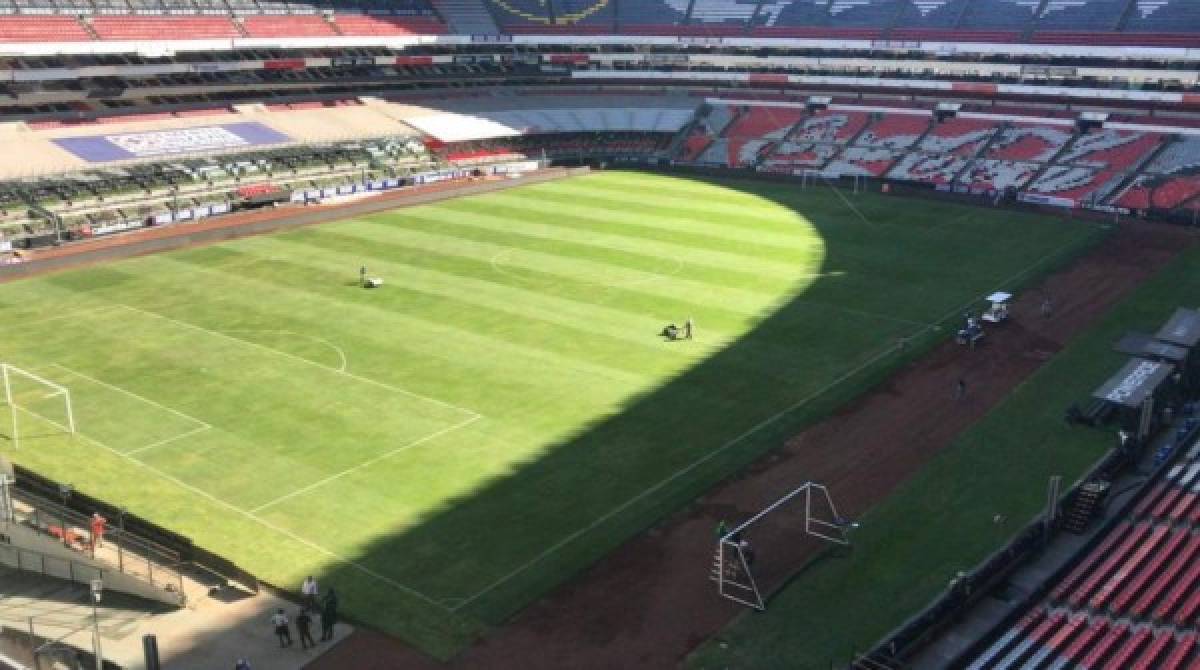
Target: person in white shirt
(310, 591)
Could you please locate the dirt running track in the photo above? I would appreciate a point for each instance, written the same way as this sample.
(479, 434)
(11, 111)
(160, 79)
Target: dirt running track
(648, 604)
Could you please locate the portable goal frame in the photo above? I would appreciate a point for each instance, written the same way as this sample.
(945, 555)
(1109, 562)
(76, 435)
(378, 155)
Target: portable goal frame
(734, 573)
(7, 373)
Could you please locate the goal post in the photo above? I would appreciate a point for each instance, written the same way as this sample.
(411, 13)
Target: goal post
(31, 394)
(735, 560)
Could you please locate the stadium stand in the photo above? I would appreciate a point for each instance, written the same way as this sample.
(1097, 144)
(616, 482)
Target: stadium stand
(894, 131)
(989, 174)
(791, 156)
(1171, 179)
(1029, 142)
(364, 24)
(936, 169)
(287, 26)
(154, 27)
(959, 136)
(1131, 601)
(752, 130)
(42, 29)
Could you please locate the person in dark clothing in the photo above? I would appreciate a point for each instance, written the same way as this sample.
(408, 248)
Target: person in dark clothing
(328, 615)
(303, 625)
(960, 389)
(280, 621)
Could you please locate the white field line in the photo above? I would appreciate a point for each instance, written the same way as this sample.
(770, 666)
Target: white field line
(131, 394)
(367, 463)
(68, 315)
(250, 515)
(751, 431)
(345, 362)
(169, 440)
(683, 471)
(299, 359)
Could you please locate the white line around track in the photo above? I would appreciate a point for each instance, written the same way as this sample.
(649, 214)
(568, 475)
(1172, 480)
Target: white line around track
(305, 361)
(367, 463)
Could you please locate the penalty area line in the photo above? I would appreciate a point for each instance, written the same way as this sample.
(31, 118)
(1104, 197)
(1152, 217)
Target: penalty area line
(259, 520)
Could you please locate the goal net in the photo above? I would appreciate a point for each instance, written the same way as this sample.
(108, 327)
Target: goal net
(35, 406)
(763, 549)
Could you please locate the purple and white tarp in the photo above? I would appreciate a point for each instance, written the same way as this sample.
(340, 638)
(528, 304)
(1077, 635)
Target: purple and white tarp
(126, 146)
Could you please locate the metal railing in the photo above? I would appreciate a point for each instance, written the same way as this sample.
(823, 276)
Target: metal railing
(124, 552)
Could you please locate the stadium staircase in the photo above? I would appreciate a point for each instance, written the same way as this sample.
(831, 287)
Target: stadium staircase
(467, 17)
(769, 150)
(1030, 27)
(51, 540)
(1084, 507)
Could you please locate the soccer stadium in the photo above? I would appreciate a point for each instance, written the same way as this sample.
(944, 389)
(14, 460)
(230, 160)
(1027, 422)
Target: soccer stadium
(704, 334)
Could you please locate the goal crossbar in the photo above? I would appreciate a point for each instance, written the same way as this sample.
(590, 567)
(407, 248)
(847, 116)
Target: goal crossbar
(7, 372)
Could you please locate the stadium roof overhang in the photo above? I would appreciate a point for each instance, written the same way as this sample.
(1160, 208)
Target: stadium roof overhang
(1146, 346)
(1182, 329)
(1138, 380)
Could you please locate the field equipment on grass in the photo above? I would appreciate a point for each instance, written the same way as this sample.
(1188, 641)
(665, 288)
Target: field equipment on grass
(733, 567)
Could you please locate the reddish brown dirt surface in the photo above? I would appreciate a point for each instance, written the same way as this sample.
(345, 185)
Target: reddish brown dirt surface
(649, 603)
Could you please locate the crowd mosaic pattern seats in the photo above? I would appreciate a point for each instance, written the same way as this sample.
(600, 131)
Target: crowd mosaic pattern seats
(991, 174)
(1077, 183)
(937, 169)
(1110, 148)
(755, 128)
(960, 136)
(1029, 142)
(896, 131)
(862, 161)
(790, 156)
(1161, 192)
(830, 125)
(1133, 601)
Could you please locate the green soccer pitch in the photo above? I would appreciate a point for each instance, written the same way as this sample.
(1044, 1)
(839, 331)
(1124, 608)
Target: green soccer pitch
(502, 412)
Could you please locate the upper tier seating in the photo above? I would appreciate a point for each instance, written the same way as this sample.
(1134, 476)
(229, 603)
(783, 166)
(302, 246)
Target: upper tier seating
(363, 24)
(1013, 15)
(736, 12)
(585, 13)
(42, 29)
(287, 26)
(155, 27)
(1082, 15)
(648, 16)
(1165, 16)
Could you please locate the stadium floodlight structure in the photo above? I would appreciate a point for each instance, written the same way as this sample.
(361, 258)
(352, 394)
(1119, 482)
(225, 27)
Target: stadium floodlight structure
(735, 559)
(27, 392)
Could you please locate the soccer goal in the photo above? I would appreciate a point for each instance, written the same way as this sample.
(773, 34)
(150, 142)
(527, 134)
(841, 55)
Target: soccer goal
(737, 565)
(36, 406)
